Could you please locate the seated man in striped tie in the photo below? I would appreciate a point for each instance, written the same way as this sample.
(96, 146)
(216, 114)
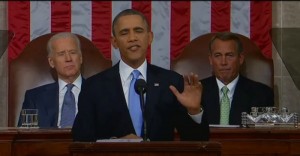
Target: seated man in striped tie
(57, 102)
(108, 108)
(227, 94)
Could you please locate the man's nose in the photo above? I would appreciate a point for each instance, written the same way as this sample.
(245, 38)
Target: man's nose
(68, 56)
(224, 60)
(132, 36)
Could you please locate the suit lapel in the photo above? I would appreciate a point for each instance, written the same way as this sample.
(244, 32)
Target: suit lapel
(114, 85)
(239, 102)
(52, 106)
(114, 88)
(152, 95)
(213, 101)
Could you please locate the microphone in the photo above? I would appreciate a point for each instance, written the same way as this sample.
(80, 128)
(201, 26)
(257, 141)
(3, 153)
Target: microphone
(140, 87)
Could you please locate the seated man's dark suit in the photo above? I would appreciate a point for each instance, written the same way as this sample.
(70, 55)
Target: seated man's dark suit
(103, 112)
(45, 99)
(247, 94)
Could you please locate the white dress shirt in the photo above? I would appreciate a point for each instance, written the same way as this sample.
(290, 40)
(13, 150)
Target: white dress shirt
(125, 73)
(231, 88)
(62, 91)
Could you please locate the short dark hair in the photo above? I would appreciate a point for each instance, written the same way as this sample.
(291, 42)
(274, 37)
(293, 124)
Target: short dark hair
(226, 36)
(129, 12)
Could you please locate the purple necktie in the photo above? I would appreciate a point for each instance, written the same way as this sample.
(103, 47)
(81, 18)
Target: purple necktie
(68, 108)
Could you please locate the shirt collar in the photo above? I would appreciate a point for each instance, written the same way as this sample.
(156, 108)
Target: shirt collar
(231, 86)
(77, 83)
(126, 70)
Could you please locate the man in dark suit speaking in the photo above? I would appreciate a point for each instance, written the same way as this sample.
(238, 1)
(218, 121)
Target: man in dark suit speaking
(227, 94)
(104, 108)
(64, 55)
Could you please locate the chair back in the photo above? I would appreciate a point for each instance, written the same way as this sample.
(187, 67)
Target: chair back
(31, 69)
(194, 58)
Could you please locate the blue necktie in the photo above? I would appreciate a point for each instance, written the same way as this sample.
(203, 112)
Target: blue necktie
(68, 108)
(134, 105)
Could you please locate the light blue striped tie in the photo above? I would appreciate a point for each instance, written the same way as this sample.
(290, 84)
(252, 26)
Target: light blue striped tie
(225, 107)
(134, 105)
(68, 108)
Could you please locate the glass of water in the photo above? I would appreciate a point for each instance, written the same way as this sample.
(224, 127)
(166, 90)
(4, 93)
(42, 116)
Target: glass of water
(29, 118)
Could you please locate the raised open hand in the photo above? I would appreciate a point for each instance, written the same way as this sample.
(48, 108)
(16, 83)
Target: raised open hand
(191, 95)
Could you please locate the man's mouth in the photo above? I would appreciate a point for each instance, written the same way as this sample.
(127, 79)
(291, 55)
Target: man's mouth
(69, 66)
(224, 70)
(134, 47)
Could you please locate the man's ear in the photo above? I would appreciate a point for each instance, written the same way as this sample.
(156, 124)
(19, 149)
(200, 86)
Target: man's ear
(81, 59)
(210, 59)
(242, 58)
(150, 37)
(114, 42)
(50, 61)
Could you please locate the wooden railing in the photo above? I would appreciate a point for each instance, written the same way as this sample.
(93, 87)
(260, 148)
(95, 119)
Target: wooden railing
(233, 141)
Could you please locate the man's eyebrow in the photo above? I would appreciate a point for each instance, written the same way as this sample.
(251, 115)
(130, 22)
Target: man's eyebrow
(122, 30)
(138, 28)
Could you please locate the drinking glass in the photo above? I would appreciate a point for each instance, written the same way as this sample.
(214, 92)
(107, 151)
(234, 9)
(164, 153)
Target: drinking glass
(29, 118)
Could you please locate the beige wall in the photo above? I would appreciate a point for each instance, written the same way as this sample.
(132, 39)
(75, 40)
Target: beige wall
(3, 69)
(285, 15)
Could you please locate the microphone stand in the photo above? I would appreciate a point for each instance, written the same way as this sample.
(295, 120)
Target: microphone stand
(140, 87)
(144, 116)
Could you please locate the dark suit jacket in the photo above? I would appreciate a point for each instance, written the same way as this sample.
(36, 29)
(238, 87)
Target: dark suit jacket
(45, 99)
(103, 112)
(247, 94)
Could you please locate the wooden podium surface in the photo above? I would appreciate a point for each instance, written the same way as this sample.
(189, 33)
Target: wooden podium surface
(234, 141)
(34, 142)
(177, 148)
(257, 141)
(6, 139)
(42, 142)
